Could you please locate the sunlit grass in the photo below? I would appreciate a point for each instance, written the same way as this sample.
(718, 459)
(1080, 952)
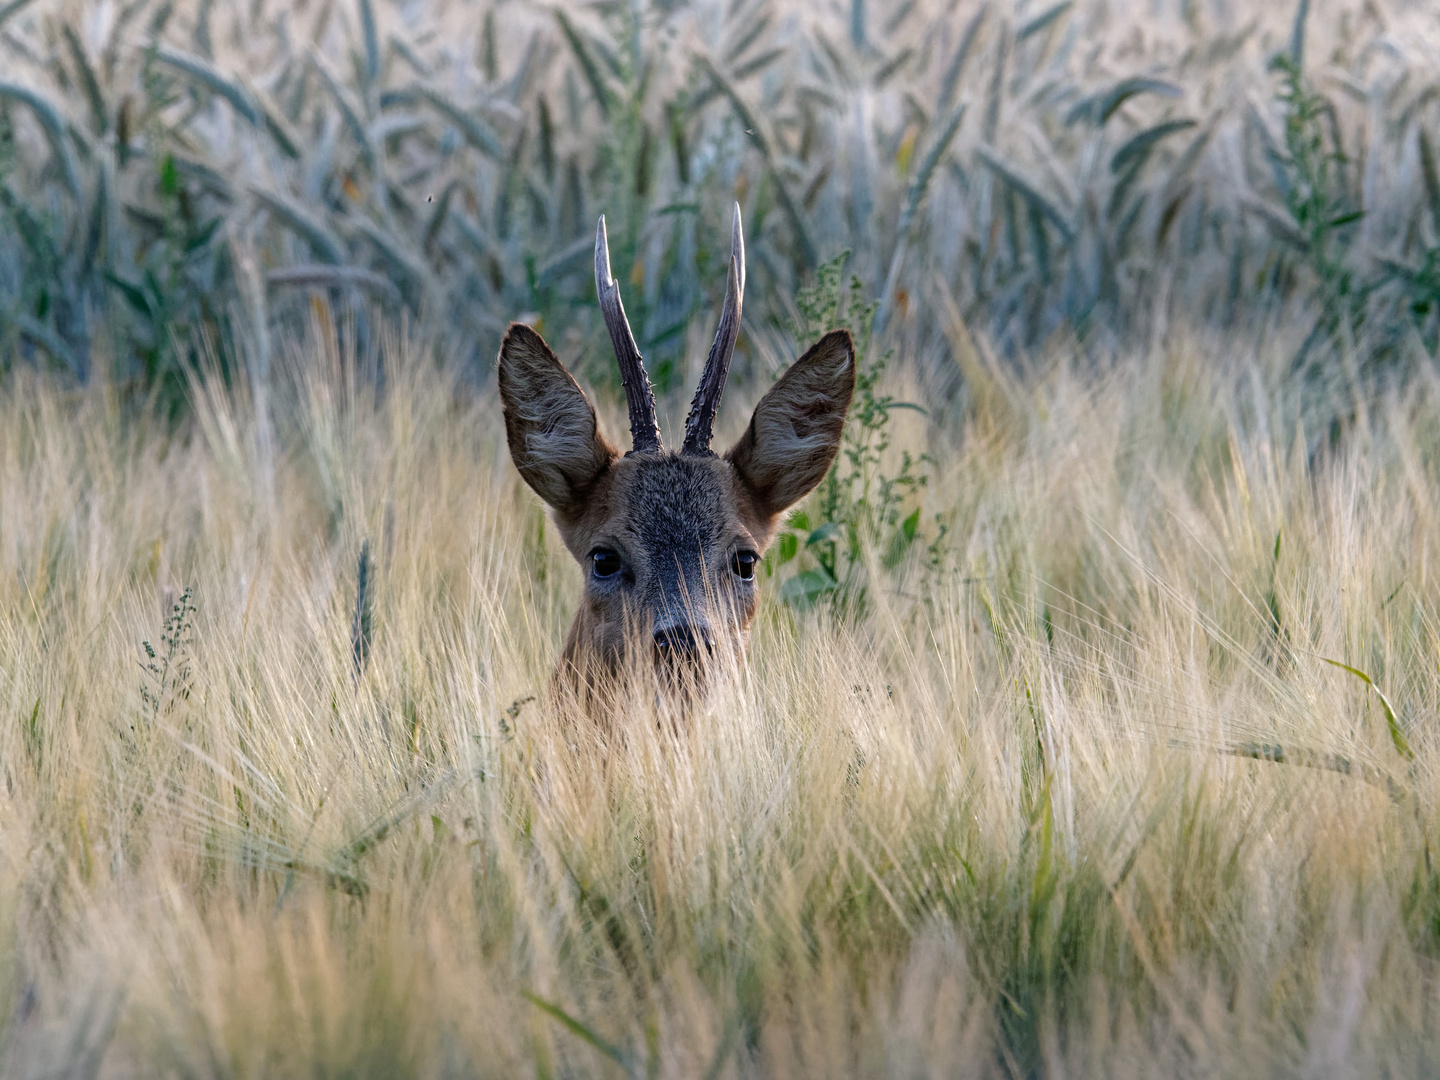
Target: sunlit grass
(1086, 797)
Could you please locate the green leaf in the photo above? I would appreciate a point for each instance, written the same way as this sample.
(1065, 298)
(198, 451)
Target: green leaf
(906, 405)
(88, 82)
(203, 72)
(1431, 175)
(799, 519)
(1124, 90)
(1029, 190)
(901, 540)
(1098, 108)
(1397, 736)
(133, 295)
(13, 8)
(911, 525)
(169, 178)
(575, 1027)
(56, 129)
(202, 237)
(788, 545)
(476, 131)
(802, 590)
(372, 42)
(1297, 34)
(300, 221)
(1137, 148)
(588, 67)
(923, 175)
(823, 533)
(1041, 21)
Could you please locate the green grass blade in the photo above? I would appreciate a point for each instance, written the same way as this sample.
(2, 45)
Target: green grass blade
(958, 61)
(759, 63)
(1397, 737)
(576, 1028)
(1029, 190)
(350, 110)
(1297, 35)
(996, 95)
(88, 82)
(325, 275)
(13, 8)
(722, 1052)
(756, 131)
(740, 47)
(1179, 176)
(1043, 20)
(476, 132)
(55, 126)
(301, 221)
(274, 122)
(1432, 177)
(410, 264)
(41, 335)
(208, 76)
(1136, 149)
(588, 67)
(920, 183)
(1128, 88)
(372, 43)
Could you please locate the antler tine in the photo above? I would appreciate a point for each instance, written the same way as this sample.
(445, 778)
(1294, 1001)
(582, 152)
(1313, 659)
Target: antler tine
(644, 431)
(706, 402)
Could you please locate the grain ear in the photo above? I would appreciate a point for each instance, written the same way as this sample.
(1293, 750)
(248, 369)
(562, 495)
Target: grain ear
(794, 432)
(549, 423)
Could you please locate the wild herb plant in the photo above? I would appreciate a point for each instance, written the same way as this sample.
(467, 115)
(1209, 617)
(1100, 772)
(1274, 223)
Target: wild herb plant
(1420, 285)
(1314, 176)
(363, 618)
(864, 503)
(165, 673)
(177, 297)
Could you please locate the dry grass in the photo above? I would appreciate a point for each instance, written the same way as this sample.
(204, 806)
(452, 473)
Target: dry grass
(1001, 823)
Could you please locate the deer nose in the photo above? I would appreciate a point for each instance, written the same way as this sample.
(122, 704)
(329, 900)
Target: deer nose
(677, 642)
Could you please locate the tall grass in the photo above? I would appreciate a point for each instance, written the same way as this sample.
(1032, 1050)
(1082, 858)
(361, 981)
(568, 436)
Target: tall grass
(1084, 799)
(1089, 726)
(212, 170)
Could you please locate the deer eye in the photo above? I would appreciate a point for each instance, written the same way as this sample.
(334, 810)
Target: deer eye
(605, 563)
(742, 564)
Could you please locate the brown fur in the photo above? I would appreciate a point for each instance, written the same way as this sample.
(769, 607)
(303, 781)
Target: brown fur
(549, 424)
(675, 520)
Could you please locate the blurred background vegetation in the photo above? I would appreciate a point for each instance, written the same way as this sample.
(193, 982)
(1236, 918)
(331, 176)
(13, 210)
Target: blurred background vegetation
(182, 181)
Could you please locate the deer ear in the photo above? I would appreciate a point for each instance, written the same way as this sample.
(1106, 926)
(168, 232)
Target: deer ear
(549, 422)
(794, 432)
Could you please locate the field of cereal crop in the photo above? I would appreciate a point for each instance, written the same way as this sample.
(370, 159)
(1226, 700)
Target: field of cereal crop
(1091, 722)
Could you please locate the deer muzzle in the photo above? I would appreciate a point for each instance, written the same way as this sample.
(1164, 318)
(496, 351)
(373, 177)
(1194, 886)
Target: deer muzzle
(682, 644)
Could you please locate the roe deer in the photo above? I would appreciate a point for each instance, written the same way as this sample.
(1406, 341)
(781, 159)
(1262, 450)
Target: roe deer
(669, 542)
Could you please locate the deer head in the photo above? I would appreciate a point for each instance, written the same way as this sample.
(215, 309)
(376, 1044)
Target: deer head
(669, 542)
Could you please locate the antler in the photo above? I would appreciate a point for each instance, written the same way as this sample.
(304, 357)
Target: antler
(717, 365)
(644, 431)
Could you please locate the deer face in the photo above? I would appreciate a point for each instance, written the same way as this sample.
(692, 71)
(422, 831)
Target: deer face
(669, 543)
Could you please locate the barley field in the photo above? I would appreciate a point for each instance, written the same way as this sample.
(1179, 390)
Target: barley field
(1091, 719)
